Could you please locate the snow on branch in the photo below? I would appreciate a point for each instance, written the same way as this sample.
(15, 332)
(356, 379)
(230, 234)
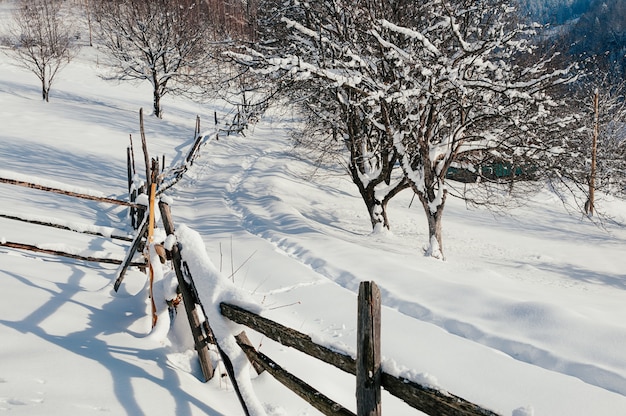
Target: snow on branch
(411, 34)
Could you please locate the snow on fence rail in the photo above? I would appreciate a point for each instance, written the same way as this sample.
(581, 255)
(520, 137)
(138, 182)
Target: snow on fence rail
(370, 377)
(12, 178)
(202, 302)
(210, 306)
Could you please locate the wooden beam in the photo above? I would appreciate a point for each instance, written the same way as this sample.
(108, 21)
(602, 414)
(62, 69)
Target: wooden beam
(431, 401)
(293, 383)
(194, 148)
(368, 367)
(143, 229)
(288, 337)
(189, 300)
(242, 338)
(29, 247)
(144, 147)
(63, 227)
(67, 193)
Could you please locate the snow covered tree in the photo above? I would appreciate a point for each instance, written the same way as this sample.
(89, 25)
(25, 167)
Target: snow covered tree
(318, 62)
(163, 42)
(465, 88)
(40, 40)
(436, 83)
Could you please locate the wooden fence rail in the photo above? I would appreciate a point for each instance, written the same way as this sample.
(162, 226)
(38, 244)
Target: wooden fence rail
(298, 386)
(75, 229)
(66, 192)
(425, 399)
(37, 249)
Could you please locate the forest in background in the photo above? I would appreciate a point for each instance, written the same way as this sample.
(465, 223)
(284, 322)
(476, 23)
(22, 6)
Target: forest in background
(590, 31)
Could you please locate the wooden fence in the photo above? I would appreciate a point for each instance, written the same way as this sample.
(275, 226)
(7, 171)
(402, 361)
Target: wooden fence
(137, 210)
(370, 378)
(51, 223)
(367, 368)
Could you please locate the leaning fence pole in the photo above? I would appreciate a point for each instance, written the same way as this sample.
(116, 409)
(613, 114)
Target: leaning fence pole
(368, 367)
(141, 232)
(144, 146)
(199, 338)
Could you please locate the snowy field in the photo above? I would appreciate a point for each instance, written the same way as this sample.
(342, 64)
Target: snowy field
(525, 317)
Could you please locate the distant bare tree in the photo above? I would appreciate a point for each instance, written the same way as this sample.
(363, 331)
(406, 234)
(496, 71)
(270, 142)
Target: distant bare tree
(574, 173)
(40, 40)
(232, 19)
(163, 42)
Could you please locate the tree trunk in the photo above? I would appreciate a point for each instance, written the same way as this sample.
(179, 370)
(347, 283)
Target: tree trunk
(157, 104)
(435, 240)
(156, 95)
(45, 90)
(378, 213)
(377, 206)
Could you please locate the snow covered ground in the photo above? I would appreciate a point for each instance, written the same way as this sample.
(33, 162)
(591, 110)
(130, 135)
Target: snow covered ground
(525, 317)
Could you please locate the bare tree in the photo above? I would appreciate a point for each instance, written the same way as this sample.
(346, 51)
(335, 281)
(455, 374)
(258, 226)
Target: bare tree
(578, 169)
(443, 82)
(40, 40)
(326, 40)
(463, 92)
(163, 42)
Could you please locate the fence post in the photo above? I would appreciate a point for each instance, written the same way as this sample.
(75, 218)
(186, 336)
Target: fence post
(189, 300)
(144, 146)
(368, 368)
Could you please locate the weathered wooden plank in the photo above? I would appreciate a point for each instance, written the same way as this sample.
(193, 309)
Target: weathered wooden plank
(191, 156)
(189, 300)
(288, 337)
(368, 367)
(36, 249)
(144, 147)
(63, 227)
(427, 400)
(302, 389)
(143, 228)
(68, 193)
(129, 169)
(431, 401)
(149, 240)
(242, 338)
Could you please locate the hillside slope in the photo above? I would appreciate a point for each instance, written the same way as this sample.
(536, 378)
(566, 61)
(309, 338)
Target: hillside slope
(525, 316)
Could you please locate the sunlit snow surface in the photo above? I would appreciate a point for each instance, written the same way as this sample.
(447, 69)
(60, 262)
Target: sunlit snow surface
(525, 317)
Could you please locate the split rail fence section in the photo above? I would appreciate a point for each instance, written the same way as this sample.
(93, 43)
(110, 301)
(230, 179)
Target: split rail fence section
(138, 208)
(370, 378)
(366, 367)
(51, 223)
